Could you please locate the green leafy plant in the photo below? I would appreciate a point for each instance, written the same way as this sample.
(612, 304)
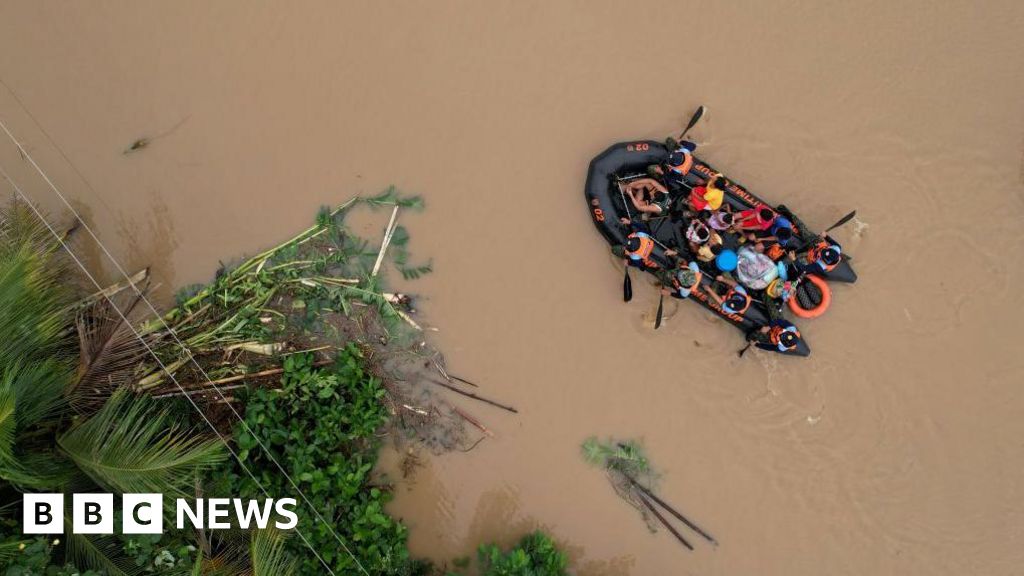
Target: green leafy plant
(535, 555)
(35, 558)
(320, 428)
(625, 456)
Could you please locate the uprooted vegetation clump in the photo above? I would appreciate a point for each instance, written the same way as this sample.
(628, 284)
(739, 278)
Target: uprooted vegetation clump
(310, 362)
(632, 477)
(315, 293)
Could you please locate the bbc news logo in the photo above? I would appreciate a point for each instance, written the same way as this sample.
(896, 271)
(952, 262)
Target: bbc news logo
(143, 513)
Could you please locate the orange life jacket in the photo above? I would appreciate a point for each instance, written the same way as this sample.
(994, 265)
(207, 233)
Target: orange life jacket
(746, 300)
(814, 256)
(775, 335)
(643, 253)
(684, 168)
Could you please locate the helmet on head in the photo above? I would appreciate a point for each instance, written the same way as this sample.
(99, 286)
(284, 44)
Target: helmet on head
(736, 301)
(831, 255)
(789, 340)
(632, 244)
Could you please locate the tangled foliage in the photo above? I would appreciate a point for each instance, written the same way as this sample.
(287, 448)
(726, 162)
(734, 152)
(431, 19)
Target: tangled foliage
(319, 428)
(535, 555)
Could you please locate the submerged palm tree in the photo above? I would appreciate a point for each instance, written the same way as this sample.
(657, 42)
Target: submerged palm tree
(68, 422)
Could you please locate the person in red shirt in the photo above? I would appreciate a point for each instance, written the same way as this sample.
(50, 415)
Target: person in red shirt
(757, 218)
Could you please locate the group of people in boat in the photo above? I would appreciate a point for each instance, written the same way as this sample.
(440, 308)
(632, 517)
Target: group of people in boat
(751, 253)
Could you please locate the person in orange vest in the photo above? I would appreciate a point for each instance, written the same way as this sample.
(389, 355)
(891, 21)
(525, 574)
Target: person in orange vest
(639, 247)
(821, 257)
(676, 166)
(736, 300)
(780, 335)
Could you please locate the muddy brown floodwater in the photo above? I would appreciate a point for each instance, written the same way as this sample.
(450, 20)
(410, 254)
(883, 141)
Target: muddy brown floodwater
(895, 449)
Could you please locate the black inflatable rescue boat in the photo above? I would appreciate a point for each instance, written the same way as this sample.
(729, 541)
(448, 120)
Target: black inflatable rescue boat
(607, 206)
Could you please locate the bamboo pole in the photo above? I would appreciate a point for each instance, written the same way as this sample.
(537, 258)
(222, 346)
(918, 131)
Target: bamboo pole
(473, 421)
(671, 510)
(664, 522)
(388, 232)
(473, 396)
(196, 388)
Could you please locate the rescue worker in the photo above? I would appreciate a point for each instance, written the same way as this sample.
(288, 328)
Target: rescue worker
(736, 299)
(677, 166)
(780, 335)
(639, 247)
(821, 257)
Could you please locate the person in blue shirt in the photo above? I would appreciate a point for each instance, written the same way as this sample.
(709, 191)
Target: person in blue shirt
(683, 282)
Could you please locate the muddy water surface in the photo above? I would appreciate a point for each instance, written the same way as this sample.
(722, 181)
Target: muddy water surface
(895, 449)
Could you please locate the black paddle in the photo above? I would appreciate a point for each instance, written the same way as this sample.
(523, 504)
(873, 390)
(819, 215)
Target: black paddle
(841, 221)
(745, 348)
(627, 284)
(693, 120)
(661, 309)
(627, 287)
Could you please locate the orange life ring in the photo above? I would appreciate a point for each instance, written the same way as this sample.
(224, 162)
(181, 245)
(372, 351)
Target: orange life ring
(826, 299)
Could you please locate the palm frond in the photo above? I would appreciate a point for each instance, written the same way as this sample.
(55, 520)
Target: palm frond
(32, 326)
(624, 456)
(392, 197)
(38, 390)
(10, 550)
(268, 554)
(134, 445)
(28, 397)
(19, 226)
(8, 425)
(109, 352)
(100, 552)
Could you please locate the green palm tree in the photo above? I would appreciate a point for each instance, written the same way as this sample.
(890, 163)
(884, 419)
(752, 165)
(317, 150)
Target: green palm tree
(68, 419)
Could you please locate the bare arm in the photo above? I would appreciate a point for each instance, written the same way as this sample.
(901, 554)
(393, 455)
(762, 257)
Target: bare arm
(714, 295)
(725, 280)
